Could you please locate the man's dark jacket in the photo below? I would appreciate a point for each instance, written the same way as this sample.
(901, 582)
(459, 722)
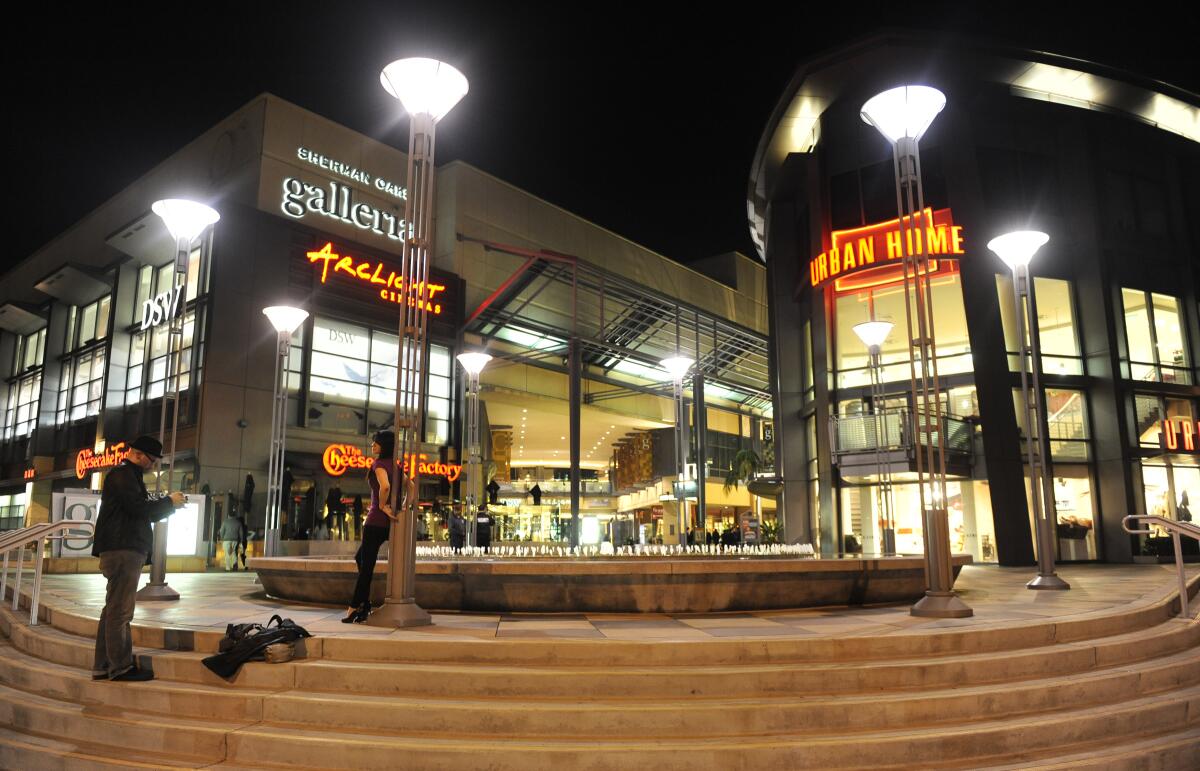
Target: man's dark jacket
(126, 511)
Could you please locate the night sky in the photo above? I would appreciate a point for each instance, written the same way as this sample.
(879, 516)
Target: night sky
(642, 118)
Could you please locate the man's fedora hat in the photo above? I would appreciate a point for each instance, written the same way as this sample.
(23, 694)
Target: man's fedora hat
(148, 445)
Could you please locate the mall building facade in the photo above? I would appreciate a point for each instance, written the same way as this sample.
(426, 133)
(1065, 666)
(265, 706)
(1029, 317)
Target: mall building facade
(1105, 162)
(574, 403)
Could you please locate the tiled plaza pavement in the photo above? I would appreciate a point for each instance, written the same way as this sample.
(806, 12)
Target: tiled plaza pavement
(998, 596)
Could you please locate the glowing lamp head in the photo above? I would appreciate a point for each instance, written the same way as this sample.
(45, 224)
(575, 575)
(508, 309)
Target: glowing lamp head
(677, 366)
(424, 86)
(873, 333)
(1017, 249)
(285, 318)
(902, 112)
(473, 361)
(185, 219)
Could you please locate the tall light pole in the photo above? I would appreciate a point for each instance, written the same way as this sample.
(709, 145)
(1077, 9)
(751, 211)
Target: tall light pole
(872, 334)
(427, 89)
(185, 220)
(677, 367)
(473, 363)
(1017, 249)
(285, 319)
(903, 115)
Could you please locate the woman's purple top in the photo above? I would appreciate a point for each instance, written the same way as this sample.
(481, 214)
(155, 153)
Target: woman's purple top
(375, 516)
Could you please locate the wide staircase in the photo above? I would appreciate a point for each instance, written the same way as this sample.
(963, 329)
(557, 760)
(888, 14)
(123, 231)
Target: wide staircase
(1115, 690)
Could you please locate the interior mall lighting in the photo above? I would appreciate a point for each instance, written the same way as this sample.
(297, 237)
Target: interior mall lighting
(1018, 248)
(677, 366)
(285, 318)
(873, 333)
(185, 219)
(473, 361)
(904, 112)
(424, 86)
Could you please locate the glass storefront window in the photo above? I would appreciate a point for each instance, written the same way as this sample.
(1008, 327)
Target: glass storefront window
(1151, 410)
(1058, 334)
(1074, 512)
(886, 303)
(12, 511)
(81, 380)
(352, 380)
(1154, 335)
(1066, 419)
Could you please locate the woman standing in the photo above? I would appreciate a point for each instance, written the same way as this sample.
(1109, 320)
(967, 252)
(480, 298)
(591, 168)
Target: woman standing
(379, 517)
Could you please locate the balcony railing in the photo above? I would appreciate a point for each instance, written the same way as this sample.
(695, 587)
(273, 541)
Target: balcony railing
(894, 430)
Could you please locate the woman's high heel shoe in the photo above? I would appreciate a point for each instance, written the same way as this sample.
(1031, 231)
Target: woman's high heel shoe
(357, 615)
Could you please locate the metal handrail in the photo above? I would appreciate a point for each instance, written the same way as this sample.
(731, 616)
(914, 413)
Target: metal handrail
(1176, 529)
(19, 540)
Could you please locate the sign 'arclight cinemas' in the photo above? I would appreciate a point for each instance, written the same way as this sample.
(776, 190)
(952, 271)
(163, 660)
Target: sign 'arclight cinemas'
(860, 248)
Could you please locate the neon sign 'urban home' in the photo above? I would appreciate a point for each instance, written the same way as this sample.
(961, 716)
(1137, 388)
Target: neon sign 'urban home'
(87, 460)
(374, 273)
(1179, 435)
(864, 247)
(339, 458)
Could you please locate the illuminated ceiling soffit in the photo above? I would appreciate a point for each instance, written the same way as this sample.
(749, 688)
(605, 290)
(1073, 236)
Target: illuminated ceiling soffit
(1062, 85)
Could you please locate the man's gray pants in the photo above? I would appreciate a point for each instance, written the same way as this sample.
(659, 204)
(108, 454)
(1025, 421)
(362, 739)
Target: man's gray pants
(114, 646)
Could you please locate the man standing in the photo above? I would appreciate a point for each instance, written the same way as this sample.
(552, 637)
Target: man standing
(232, 530)
(123, 542)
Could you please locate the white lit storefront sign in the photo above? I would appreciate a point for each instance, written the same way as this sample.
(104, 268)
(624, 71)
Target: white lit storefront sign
(337, 201)
(183, 533)
(163, 307)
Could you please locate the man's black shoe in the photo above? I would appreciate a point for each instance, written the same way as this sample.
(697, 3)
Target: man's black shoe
(135, 675)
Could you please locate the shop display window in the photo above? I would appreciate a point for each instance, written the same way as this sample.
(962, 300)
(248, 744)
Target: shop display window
(81, 379)
(12, 511)
(1156, 350)
(1058, 332)
(1149, 412)
(25, 385)
(152, 371)
(886, 303)
(1066, 421)
(352, 380)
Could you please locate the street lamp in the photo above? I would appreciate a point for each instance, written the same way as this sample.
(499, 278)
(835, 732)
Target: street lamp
(427, 89)
(285, 320)
(185, 221)
(677, 367)
(872, 334)
(473, 363)
(1017, 249)
(903, 115)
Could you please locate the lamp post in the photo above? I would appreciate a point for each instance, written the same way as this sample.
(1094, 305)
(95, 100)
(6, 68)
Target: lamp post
(473, 363)
(427, 89)
(185, 220)
(903, 115)
(285, 319)
(1017, 249)
(677, 367)
(872, 334)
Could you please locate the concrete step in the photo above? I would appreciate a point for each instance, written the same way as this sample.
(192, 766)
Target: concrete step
(26, 751)
(682, 679)
(1174, 751)
(24, 672)
(53, 645)
(607, 653)
(602, 718)
(274, 746)
(556, 717)
(727, 716)
(174, 737)
(686, 678)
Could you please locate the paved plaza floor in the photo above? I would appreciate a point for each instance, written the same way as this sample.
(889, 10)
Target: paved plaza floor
(209, 601)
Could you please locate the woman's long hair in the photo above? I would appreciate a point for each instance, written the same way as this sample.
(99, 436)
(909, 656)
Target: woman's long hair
(387, 443)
